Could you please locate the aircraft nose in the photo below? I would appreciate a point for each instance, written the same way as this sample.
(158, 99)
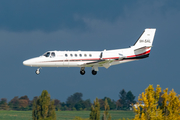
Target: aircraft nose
(26, 63)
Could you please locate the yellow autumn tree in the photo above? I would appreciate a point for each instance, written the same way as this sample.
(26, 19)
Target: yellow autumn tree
(148, 108)
(171, 105)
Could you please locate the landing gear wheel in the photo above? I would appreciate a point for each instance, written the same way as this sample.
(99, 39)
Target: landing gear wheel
(82, 72)
(37, 71)
(94, 72)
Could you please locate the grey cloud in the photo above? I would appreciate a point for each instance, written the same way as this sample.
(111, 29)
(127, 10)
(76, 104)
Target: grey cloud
(48, 16)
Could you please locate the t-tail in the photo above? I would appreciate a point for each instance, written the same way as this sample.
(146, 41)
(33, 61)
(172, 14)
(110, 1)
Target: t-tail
(144, 43)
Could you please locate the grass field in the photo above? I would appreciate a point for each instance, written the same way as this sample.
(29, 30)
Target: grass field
(61, 115)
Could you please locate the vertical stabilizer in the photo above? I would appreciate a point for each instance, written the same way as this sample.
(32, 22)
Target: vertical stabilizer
(146, 39)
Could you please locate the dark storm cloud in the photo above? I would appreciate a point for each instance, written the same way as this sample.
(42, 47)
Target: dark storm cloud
(45, 15)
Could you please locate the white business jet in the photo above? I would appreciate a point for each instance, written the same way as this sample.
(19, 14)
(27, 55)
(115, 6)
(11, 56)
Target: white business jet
(95, 59)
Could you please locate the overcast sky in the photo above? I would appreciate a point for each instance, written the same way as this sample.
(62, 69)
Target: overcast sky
(30, 28)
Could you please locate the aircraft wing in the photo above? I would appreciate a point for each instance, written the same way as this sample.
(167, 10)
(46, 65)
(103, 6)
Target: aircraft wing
(100, 63)
(104, 61)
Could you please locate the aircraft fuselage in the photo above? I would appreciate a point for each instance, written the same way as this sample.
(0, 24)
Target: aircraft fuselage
(95, 59)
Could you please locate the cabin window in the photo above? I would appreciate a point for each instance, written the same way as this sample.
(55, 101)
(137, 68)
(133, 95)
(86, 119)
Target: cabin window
(90, 55)
(66, 55)
(75, 55)
(80, 55)
(47, 54)
(52, 54)
(71, 55)
(85, 55)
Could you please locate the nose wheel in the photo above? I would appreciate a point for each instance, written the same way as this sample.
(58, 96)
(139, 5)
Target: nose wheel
(37, 71)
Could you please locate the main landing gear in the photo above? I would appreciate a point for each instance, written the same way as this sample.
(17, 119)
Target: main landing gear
(37, 71)
(94, 72)
(82, 71)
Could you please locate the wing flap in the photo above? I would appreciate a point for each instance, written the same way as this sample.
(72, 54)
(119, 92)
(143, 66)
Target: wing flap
(100, 63)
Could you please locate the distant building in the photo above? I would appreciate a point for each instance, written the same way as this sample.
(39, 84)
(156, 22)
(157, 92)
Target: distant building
(130, 107)
(136, 106)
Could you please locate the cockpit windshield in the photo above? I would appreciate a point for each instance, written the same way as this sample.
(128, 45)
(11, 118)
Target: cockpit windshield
(49, 54)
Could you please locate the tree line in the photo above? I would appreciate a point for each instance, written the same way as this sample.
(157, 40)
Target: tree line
(73, 102)
(153, 104)
(44, 109)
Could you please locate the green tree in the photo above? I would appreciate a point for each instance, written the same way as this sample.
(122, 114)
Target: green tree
(74, 99)
(95, 111)
(14, 103)
(111, 103)
(51, 111)
(31, 102)
(118, 104)
(43, 107)
(123, 100)
(101, 102)
(126, 99)
(106, 115)
(57, 104)
(87, 104)
(130, 98)
(24, 103)
(3, 104)
(79, 105)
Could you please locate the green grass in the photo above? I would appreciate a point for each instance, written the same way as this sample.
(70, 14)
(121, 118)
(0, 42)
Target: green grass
(61, 115)
(15, 115)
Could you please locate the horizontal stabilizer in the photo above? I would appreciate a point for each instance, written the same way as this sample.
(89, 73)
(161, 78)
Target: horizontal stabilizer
(143, 48)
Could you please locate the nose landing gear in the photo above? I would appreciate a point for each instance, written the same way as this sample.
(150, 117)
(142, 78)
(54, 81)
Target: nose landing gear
(37, 71)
